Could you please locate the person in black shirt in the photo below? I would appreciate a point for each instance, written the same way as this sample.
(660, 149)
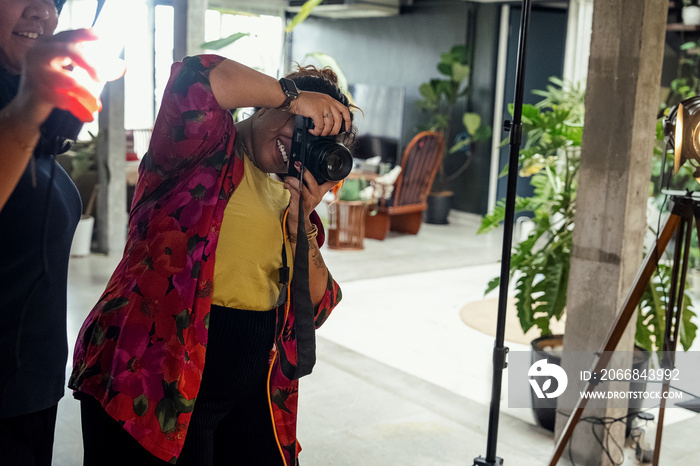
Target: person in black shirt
(39, 210)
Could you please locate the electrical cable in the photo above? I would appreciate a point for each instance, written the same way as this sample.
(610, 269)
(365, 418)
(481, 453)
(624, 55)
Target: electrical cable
(662, 209)
(571, 455)
(606, 423)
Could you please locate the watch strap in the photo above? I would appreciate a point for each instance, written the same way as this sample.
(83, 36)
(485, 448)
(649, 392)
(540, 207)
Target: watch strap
(290, 91)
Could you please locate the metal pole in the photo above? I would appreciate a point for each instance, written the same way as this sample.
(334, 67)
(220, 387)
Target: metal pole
(500, 351)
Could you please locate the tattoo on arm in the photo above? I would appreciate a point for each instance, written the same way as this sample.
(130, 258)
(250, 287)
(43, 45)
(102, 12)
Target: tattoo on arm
(316, 257)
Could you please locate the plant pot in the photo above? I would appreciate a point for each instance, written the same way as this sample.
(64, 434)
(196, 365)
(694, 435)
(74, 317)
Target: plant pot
(439, 206)
(691, 15)
(346, 225)
(82, 240)
(545, 409)
(550, 347)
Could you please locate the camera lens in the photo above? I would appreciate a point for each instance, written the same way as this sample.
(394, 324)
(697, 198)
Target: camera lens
(334, 161)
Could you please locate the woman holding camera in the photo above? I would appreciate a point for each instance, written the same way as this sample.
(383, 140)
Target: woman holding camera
(39, 210)
(191, 355)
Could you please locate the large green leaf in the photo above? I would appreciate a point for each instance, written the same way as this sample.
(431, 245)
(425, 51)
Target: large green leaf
(688, 330)
(304, 13)
(471, 121)
(492, 220)
(530, 114)
(459, 53)
(651, 315)
(445, 68)
(492, 285)
(556, 282)
(460, 145)
(221, 43)
(524, 299)
(460, 72)
(428, 91)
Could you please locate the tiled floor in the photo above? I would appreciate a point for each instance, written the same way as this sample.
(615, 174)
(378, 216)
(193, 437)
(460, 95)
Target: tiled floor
(400, 380)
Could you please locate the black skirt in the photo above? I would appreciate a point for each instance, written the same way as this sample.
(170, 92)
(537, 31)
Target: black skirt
(231, 423)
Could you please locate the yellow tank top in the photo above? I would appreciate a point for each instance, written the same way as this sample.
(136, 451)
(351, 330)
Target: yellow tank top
(249, 252)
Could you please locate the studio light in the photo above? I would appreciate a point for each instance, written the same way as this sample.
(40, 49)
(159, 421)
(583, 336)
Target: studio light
(682, 130)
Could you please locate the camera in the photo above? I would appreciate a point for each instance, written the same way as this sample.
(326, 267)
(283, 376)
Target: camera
(323, 157)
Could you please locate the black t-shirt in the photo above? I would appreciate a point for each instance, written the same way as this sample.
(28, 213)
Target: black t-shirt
(36, 230)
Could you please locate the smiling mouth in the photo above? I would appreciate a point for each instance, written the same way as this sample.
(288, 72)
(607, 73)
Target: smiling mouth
(283, 151)
(29, 35)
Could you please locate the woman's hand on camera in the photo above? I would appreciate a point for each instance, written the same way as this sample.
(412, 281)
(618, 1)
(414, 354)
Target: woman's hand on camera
(327, 113)
(312, 194)
(47, 82)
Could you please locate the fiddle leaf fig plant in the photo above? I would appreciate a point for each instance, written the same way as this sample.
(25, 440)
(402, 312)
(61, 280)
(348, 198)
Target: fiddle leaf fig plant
(540, 264)
(439, 98)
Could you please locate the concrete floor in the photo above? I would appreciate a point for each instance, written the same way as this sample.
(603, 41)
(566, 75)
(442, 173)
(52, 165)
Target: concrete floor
(400, 379)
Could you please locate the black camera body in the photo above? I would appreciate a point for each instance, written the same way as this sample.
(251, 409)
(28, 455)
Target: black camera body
(323, 157)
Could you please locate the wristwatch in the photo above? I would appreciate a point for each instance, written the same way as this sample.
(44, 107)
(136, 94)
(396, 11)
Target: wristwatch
(290, 90)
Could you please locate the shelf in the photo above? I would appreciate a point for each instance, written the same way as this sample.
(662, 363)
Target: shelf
(682, 27)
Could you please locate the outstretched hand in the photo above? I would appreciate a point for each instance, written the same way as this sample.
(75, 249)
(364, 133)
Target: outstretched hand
(327, 113)
(47, 81)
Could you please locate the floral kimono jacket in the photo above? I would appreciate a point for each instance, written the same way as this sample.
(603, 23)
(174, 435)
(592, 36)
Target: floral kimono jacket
(142, 349)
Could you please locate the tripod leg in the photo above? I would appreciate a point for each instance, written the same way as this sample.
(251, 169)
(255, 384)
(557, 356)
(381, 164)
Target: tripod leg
(622, 320)
(673, 320)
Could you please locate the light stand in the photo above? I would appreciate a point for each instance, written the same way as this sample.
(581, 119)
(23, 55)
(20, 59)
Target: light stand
(685, 211)
(515, 129)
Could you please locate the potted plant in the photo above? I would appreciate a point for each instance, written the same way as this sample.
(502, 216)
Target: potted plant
(440, 98)
(540, 264)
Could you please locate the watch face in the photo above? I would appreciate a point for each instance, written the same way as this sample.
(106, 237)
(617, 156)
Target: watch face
(289, 87)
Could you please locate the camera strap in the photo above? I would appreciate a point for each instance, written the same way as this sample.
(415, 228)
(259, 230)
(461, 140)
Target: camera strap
(303, 306)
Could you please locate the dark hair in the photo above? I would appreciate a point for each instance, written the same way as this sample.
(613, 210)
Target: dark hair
(310, 78)
(324, 80)
(59, 4)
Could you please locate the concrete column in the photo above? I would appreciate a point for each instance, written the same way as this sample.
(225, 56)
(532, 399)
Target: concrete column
(622, 96)
(111, 170)
(189, 27)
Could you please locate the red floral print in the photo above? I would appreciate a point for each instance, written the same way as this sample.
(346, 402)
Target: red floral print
(142, 349)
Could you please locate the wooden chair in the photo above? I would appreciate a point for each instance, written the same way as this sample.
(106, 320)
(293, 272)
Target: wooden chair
(403, 212)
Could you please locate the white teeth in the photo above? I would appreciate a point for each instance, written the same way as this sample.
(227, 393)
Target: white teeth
(282, 150)
(31, 35)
